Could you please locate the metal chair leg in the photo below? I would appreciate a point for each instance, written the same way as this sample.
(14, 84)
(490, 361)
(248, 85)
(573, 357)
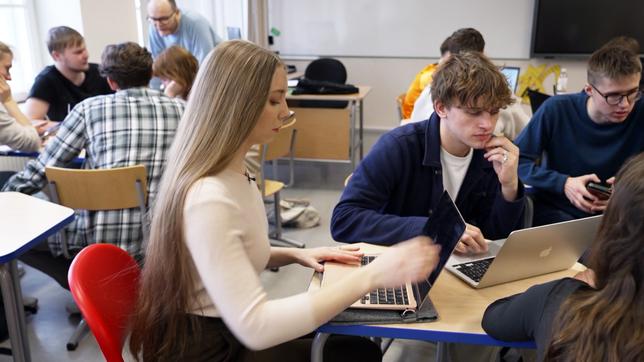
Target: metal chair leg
(79, 333)
(277, 235)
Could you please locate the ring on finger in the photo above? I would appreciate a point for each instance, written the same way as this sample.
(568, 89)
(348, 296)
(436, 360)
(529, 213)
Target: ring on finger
(505, 157)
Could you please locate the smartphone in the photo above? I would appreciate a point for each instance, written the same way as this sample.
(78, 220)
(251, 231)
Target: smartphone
(600, 190)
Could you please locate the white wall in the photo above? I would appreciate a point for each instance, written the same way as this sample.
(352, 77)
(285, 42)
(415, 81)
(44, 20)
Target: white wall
(50, 14)
(100, 22)
(107, 22)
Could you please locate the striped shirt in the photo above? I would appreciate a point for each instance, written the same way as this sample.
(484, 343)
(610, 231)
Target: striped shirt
(133, 126)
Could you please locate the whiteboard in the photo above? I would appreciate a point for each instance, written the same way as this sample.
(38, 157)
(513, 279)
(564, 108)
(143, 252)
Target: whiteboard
(398, 28)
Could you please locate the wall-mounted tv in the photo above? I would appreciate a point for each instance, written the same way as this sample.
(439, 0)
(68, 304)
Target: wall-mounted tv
(578, 27)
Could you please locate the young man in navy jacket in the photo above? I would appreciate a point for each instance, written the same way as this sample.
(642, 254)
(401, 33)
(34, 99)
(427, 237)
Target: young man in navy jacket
(398, 184)
(584, 137)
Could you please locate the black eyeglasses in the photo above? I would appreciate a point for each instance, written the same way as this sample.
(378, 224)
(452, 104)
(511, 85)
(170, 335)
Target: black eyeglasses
(614, 99)
(162, 19)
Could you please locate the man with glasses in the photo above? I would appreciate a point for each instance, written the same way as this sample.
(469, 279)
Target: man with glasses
(397, 186)
(171, 26)
(585, 137)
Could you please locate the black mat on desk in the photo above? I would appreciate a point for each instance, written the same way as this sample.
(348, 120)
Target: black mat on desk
(427, 313)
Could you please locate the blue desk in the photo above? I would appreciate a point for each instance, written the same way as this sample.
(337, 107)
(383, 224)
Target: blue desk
(460, 309)
(24, 222)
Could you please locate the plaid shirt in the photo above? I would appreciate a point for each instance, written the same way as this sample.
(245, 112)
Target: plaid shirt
(132, 126)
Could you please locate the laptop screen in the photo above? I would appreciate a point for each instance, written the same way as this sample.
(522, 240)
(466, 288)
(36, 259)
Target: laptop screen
(445, 226)
(512, 75)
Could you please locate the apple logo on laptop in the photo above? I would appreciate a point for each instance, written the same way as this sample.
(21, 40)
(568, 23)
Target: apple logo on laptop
(545, 252)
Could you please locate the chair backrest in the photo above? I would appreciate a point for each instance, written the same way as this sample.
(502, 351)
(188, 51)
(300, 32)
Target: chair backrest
(103, 279)
(326, 69)
(103, 189)
(536, 99)
(399, 105)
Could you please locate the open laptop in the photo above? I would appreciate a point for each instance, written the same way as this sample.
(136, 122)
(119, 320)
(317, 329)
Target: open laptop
(445, 227)
(527, 252)
(512, 75)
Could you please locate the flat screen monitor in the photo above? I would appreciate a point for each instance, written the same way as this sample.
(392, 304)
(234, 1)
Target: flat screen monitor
(579, 27)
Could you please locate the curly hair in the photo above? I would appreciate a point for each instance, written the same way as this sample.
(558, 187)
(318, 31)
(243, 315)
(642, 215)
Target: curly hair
(128, 64)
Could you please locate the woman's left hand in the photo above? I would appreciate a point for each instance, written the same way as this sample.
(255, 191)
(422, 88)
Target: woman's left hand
(312, 258)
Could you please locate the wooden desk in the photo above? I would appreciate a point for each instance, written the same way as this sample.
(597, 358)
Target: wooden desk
(460, 310)
(329, 134)
(24, 222)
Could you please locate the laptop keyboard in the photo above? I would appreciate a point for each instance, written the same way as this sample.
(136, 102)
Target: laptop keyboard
(395, 296)
(475, 269)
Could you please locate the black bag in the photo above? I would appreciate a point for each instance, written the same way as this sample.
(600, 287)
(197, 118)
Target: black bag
(309, 86)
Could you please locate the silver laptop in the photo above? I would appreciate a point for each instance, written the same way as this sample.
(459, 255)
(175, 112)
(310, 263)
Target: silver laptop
(445, 227)
(526, 253)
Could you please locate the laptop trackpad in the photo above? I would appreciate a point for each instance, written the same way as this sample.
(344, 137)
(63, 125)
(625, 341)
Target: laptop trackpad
(493, 250)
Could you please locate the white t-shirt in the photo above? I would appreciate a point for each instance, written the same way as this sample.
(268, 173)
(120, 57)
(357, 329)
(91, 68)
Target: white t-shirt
(226, 232)
(454, 170)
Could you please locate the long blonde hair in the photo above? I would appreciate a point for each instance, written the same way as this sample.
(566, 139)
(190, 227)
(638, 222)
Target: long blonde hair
(228, 96)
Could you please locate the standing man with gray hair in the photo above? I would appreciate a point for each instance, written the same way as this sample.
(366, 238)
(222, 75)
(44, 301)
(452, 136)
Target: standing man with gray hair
(171, 26)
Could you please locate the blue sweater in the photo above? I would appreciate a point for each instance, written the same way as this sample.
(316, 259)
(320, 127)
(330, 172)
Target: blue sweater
(399, 183)
(574, 145)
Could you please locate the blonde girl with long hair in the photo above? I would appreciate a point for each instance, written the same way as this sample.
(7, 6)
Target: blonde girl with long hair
(200, 296)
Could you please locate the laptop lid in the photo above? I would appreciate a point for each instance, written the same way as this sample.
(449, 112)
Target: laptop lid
(445, 226)
(512, 75)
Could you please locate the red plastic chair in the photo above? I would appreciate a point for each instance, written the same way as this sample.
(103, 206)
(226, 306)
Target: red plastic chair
(103, 279)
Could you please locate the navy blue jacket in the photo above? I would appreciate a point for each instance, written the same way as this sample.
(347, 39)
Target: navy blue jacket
(398, 184)
(573, 145)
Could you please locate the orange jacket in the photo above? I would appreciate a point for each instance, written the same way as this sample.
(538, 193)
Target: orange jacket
(422, 80)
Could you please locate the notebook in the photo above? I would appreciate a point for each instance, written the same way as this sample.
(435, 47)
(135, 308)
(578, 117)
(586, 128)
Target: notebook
(445, 227)
(527, 252)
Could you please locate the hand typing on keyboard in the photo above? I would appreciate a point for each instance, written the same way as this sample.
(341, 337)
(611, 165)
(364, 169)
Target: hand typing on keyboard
(472, 241)
(312, 258)
(409, 261)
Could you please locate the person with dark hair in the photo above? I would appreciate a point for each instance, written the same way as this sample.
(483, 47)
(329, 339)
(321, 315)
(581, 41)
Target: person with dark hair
(512, 119)
(136, 125)
(397, 185)
(575, 139)
(462, 40)
(598, 314)
(422, 80)
(170, 25)
(59, 87)
(177, 69)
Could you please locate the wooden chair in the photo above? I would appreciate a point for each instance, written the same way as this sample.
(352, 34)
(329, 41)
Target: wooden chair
(282, 146)
(97, 190)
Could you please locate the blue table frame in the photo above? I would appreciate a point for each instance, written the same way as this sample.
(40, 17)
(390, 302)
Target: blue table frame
(460, 309)
(24, 222)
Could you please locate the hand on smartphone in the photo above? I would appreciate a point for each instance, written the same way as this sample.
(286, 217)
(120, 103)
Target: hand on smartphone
(601, 190)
